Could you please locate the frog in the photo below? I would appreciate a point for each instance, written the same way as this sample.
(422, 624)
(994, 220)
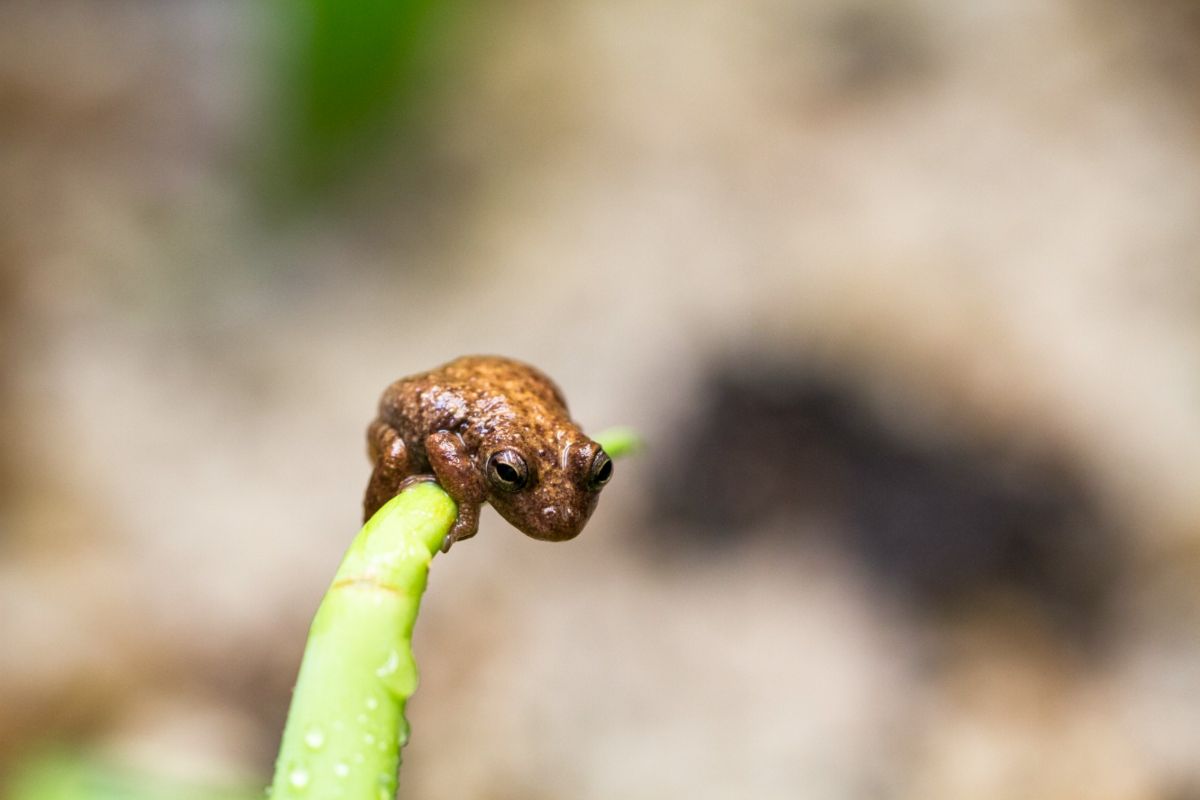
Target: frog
(487, 429)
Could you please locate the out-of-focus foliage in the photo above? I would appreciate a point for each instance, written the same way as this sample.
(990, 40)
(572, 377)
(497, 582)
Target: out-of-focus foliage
(63, 775)
(350, 76)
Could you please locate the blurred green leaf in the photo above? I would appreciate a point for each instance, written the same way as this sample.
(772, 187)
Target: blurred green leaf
(66, 775)
(353, 71)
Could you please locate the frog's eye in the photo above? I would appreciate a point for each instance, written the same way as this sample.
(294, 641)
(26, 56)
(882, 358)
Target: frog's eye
(601, 471)
(507, 471)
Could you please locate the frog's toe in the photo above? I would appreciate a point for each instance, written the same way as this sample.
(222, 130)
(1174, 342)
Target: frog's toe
(464, 527)
(413, 480)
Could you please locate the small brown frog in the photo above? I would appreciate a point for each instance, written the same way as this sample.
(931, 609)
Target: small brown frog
(487, 429)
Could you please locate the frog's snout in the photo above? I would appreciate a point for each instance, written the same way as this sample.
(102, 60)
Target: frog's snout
(554, 510)
(559, 523)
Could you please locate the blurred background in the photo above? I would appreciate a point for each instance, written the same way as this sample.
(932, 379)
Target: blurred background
(903, 296)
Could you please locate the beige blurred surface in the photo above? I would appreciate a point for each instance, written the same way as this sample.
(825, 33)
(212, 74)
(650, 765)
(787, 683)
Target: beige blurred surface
(982, 219)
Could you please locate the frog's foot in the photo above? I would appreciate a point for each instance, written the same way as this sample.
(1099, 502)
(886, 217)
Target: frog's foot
(464, 527)
(383, 490)
(390, 458)
(458, 475)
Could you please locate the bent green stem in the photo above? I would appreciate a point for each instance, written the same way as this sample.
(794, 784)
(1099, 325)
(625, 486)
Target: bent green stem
(346, 724)
(619, 442)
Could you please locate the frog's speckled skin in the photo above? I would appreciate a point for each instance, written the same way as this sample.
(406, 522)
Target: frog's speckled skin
(447, 423)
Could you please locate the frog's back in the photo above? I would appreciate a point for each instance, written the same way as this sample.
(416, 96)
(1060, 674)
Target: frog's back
(486, 378)
(468, 392)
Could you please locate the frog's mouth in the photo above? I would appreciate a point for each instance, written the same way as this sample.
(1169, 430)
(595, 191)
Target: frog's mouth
(551, 522)
(560, 524)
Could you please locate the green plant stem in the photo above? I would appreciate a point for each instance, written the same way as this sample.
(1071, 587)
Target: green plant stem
(346, 724)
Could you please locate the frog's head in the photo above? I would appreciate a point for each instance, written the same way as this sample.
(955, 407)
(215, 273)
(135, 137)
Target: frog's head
(547, 492)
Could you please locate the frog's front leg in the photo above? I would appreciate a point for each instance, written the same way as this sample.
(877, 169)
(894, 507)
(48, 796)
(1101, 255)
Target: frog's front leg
(389, 455)
(458, 474)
